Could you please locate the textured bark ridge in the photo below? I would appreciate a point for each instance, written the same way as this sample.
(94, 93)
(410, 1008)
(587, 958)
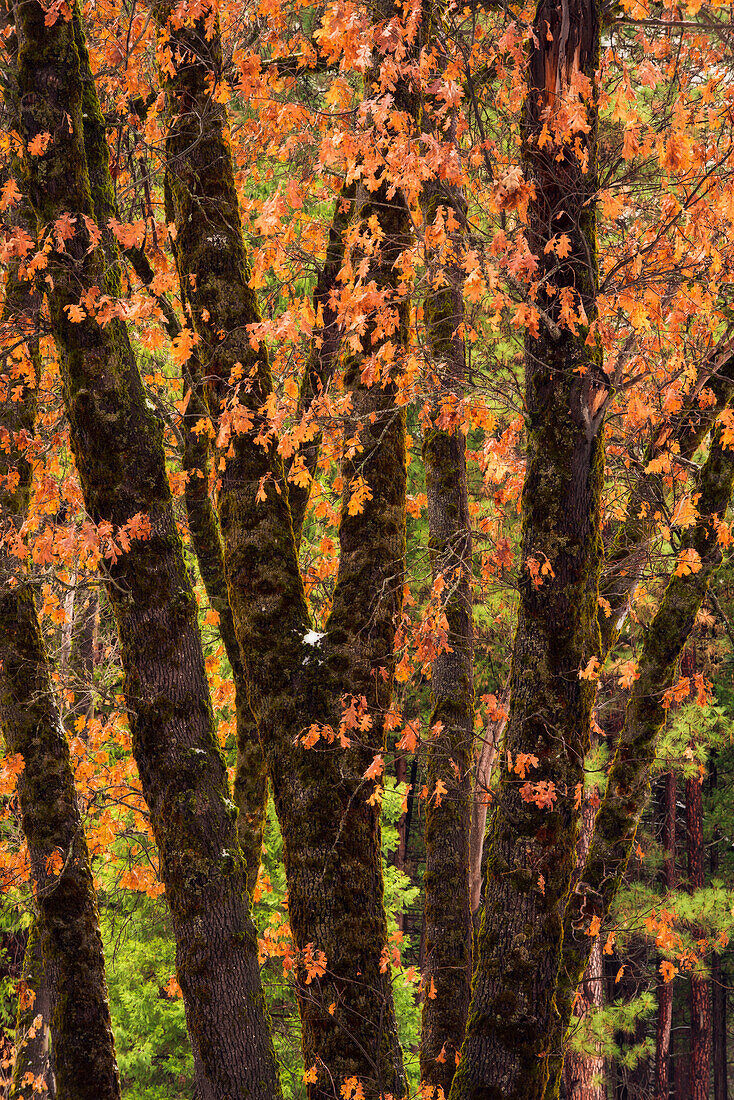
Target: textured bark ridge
(117, 443)
(531, 846)
(629, 777)
(447, 927)
(295, 677)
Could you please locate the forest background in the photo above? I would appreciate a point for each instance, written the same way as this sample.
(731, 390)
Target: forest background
(366, 371)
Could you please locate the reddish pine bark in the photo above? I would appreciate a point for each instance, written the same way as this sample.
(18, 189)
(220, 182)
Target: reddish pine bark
(583, 1070)
(665, 989)
(700, 984)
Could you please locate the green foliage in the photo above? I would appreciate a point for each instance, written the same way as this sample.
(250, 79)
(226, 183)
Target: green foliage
(613, 1029)
(148, 1019)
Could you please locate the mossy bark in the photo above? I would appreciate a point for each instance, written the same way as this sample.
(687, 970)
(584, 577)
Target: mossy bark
(68, 922)
(583, 1070)
(532, 843)
(629, 777)
(64, 959)
(67, 932)
(330, 830)
(447, 925)
(117, 443)
(250, 789)
(32, 1026)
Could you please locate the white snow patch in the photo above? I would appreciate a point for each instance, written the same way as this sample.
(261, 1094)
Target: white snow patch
(313, 637)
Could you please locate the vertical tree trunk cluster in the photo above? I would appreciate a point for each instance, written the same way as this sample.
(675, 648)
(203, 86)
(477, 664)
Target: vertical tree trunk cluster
(311, 703)
(117, 443)
(330, 827)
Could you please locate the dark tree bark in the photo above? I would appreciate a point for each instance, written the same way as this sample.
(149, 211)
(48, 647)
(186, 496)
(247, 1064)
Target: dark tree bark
(64, 960)
(447, 924)
(483, 770)
(32, 1027)
(700, 983)
(298, 677)
(117, 443)
(531, 845)
(447, 917)
(719, 980)
(68, 923)
(665, 989)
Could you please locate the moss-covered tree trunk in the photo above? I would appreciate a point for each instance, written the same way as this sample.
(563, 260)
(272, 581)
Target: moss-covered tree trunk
(64, 958)
(117, 443)
(299, 678)
(533, 830)
(250, 787)
(33, 1069)
(447, 926)
(629, 777)
(484, 768)
(719, 977)
(67, 923)
(700, 999)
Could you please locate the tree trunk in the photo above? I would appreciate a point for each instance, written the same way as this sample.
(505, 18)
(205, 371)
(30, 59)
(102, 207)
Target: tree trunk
(665, 989)
(33, 1070)
(583, 1071)
(300, 680)
(447, 917)
(250, 788)
(117, 443)
(533, 831)
(479, 805)
(700, 983)
(719, 983)
(65, 953)
(719, 975)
